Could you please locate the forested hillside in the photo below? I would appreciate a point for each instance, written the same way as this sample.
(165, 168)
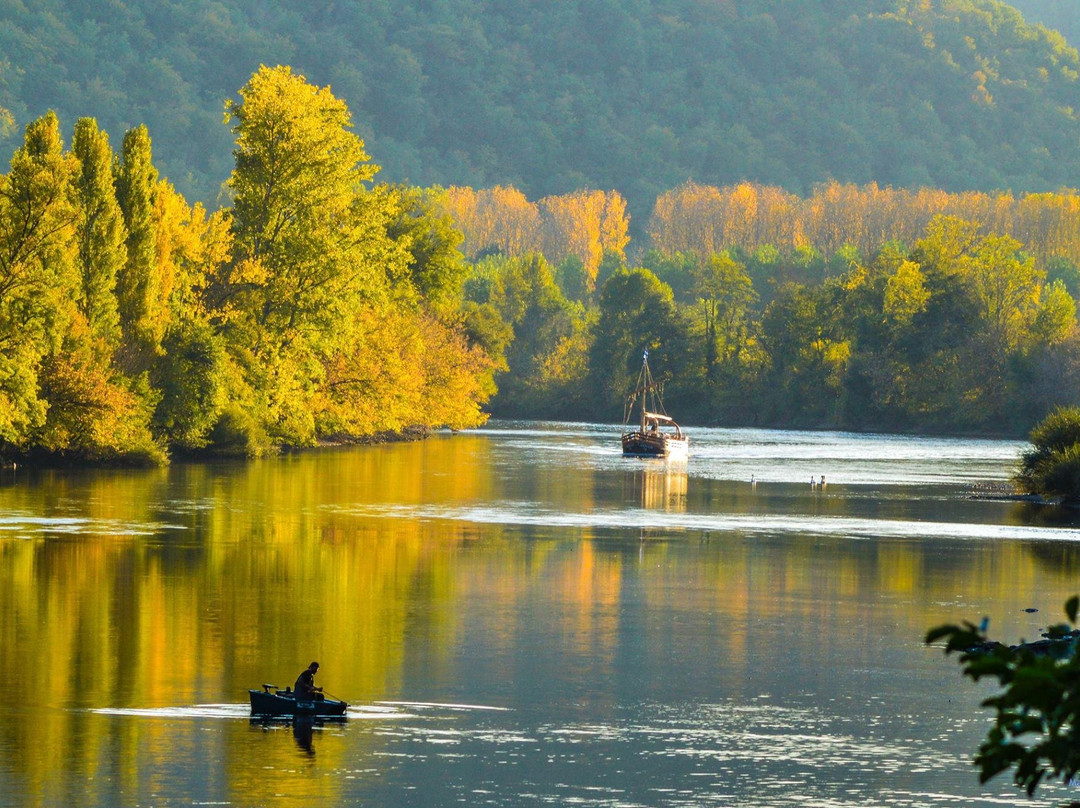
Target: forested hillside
(824, 214)
(636, 95)
(1061, 15)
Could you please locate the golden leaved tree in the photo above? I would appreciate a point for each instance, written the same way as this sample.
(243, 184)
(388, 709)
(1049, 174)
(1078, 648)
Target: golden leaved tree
(330, 283)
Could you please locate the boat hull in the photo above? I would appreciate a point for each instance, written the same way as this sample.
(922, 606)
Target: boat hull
(646, 444)
(281, 704)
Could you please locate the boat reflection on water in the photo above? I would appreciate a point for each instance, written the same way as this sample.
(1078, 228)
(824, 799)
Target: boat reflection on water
(661, 486)
(303, 728)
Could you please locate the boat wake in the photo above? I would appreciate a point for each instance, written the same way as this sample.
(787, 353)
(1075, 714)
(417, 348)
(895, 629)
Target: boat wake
(376, 710)
(192, 711)
(424, 705)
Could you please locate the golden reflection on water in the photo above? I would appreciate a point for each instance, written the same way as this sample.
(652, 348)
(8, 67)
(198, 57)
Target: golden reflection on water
(154, 589)
(662, 485)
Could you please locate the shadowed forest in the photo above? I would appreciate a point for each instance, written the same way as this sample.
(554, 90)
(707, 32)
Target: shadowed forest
(856, 307)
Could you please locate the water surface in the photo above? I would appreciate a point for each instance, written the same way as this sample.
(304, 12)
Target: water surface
(518, 616)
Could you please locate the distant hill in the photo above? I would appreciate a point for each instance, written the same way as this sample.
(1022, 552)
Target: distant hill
(633, 95)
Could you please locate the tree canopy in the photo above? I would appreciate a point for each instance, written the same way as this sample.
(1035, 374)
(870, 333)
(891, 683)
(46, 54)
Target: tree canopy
(317, 307)
(556, 98)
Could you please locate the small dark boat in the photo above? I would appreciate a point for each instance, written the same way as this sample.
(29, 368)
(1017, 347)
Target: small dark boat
(657, 434)
(273, 701)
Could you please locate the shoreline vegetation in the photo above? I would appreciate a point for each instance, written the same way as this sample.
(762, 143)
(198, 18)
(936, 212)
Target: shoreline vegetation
(321, 307)
(318, 307)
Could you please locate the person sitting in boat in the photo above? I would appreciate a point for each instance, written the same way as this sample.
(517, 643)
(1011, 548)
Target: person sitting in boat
(654, 427)
(305, 684)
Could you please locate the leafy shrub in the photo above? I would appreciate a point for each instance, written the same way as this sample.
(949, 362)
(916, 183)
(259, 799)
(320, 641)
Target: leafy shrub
(1051, 468)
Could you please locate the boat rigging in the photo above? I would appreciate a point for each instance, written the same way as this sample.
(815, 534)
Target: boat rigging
(657, 434)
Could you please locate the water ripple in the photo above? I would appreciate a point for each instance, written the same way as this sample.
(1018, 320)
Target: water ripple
(528, 514)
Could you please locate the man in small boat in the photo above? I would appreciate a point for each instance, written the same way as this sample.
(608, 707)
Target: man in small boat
(305, 684)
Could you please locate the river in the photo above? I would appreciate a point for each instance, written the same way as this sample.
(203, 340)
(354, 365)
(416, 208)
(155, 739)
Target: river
(519, 616)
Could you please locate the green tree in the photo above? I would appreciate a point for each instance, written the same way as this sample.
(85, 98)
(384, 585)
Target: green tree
(436, 267)
(636, 313)
(1051, 467)
(546, 358)
(307, 244)
(791, 327)
(191, 378)
(572, 278)
(678, 270)
(138, 284)
(726, 295)
(37, 281)
(99, 232)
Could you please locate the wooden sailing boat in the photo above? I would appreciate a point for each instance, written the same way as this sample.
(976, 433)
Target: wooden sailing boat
(657, 434)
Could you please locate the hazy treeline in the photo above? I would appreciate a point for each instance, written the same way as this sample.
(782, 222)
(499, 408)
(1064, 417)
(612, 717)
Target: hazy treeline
(554, 97)
(857, 307)
(316, 306)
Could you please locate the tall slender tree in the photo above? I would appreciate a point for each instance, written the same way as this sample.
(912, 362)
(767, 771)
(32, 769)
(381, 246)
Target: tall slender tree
(99, 231)
(138, 285)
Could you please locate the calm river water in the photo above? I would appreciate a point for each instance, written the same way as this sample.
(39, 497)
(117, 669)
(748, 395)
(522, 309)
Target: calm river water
(519, 617)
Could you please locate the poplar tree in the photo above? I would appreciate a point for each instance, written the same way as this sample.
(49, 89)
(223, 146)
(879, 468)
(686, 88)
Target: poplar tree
(92, 411)
(36, 280)
(138, 287)
(99, 231)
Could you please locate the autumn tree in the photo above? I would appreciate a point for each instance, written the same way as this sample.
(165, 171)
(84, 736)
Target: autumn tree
(406, 359)
(306, 245)
(499, 219)
(192, 373)
(96, 412)
(99, 231)
(37, 277)
(585, 225)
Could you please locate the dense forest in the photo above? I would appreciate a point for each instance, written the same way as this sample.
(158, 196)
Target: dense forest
(876, 232)
(318, 306)
(639, 95)
(323, 306)
(856, 307)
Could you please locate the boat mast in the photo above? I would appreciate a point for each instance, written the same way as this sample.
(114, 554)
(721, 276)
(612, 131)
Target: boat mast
(646, 388)
(646, 379)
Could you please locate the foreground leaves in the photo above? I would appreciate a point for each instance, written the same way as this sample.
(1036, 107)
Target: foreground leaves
(1036, 714)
